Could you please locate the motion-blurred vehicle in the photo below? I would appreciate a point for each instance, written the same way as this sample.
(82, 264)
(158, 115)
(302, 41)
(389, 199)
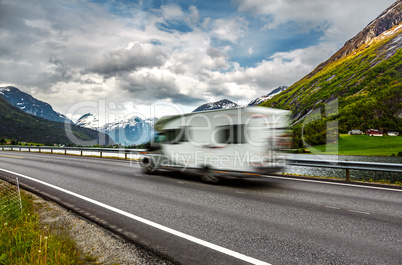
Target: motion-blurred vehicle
(240, 142)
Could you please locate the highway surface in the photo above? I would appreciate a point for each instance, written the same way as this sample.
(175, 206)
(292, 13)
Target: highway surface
(270, 220)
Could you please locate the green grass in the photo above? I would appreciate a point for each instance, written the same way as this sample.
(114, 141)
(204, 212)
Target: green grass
(364, 145)
(24, 241)
(9, 142)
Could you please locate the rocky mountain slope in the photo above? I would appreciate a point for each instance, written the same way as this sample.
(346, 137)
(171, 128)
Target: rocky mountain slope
(18, 125)
(363, 81)
(221, 104)
(227, 104)
(88, 120)
(133, 131)
(266, 97)
(31, 105)
(388, 19)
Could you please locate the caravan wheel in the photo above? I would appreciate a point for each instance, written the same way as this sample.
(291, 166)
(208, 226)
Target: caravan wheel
(148, 165)
(209, 176)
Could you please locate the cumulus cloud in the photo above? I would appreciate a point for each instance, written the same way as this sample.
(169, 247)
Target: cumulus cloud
(66, 53)
(214, 52)
(194, 15)
(336, 18)
(289, 66)
(129, 59)
(282, 68)
(229, 29)
(156, 85)
(172, 12)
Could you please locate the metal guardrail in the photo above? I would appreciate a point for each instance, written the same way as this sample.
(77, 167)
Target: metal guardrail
(125, 151)
(389, 167)
(346, 165)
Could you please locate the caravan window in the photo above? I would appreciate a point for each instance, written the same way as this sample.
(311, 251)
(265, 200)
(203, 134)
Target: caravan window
(231, 134)
(159, 137)
(174, 136)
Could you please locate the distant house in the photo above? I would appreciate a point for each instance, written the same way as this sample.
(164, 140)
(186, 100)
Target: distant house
(393, 133)
(374, 132)
(355, 132)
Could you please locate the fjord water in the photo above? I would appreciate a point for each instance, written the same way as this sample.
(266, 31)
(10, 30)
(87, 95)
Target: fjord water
(341, 173)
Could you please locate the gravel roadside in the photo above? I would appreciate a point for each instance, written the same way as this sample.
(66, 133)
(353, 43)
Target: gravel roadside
(93, 241)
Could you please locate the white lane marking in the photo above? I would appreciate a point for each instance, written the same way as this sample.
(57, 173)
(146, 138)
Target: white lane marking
(240, 192)
(150, 223)
(358, 212)
(334, 183)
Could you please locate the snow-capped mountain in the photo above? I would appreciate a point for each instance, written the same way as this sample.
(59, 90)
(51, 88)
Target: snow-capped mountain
(227, 104)
(132, 131)
(221, 104)
(264, 98)
(88, 120)
(31, 105)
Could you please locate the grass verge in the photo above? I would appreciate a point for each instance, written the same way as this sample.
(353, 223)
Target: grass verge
(364, 145)
(23, 240)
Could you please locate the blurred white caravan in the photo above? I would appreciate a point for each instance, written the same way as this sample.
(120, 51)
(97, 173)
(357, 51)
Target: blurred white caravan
(239, 142)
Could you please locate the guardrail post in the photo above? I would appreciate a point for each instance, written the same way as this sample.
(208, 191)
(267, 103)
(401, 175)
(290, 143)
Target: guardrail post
(348, 175)
(81, 152)
(100, 154)
(125, 156)
(39, 150)
(65, 151)
(29, 149)
(51, 150)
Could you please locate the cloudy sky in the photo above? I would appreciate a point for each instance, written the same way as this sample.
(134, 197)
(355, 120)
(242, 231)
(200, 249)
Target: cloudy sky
(157, 57)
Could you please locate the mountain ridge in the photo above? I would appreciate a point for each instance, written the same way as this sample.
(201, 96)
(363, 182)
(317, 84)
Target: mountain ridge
(389, 18)
(365, 86)
(31, 105)
(19, 125)
(266, 97)
(220, 104)
(88, 120)
(132, 131)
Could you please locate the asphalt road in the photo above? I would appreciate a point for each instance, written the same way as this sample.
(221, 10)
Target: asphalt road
(273, 219)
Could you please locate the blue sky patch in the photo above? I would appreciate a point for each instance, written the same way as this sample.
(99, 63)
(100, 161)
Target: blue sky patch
(172, 26)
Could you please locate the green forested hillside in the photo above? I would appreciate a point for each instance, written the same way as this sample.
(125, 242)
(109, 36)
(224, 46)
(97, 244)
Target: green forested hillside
(18, 125)
(367, 85)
